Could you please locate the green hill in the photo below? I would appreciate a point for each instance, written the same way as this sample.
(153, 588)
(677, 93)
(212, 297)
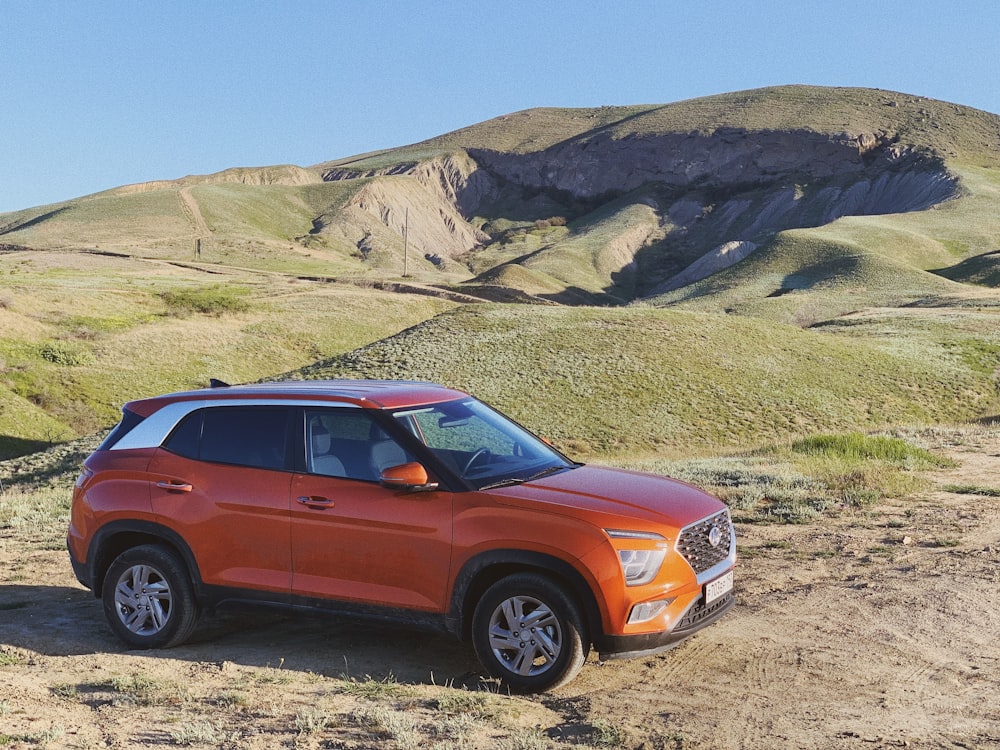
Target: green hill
(723, 271)
(640, 380)
(80, 334)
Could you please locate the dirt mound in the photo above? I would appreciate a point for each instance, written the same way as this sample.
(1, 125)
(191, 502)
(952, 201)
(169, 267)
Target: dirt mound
(288, 175)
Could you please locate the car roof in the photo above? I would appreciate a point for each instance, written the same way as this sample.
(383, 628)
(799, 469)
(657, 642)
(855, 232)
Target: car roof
(372, 394)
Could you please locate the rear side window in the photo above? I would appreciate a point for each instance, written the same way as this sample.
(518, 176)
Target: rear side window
(244, 436)
(185, 440)
(129, 420)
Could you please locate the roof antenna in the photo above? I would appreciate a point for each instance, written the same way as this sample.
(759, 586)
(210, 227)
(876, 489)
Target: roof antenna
(214, 383)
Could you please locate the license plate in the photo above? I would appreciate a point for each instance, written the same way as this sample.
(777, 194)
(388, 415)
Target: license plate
(719, 587)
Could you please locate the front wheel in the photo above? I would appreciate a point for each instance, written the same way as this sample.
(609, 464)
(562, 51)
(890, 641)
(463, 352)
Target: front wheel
(528, 632)
(148, 598)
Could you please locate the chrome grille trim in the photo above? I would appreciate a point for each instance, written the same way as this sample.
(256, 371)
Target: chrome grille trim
(693, 543)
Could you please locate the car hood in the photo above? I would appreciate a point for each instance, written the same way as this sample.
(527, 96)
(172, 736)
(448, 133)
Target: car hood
(628, 495)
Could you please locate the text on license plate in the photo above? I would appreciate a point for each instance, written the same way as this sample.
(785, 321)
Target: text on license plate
(719, 587)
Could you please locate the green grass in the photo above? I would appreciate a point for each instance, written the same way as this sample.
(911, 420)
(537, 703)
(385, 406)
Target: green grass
(811, 275)
(982, 269)
(37, 515)
(855, 446)
(642, 381)
(595, 254)
(804, 277)
(372, 688)
(973, 489)
(211, 300)
(807, 479)
(83, 334)
(11, 658)
(275, 211)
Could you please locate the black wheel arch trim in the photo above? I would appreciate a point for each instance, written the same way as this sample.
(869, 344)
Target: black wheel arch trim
(103, 550)
(483, 570)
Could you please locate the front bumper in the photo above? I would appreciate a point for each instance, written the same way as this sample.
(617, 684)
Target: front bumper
(697, 617)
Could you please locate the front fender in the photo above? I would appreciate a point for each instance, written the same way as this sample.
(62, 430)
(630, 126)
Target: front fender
(486, 568)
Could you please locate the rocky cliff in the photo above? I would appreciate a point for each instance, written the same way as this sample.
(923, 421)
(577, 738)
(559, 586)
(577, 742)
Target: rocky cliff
(709, 190)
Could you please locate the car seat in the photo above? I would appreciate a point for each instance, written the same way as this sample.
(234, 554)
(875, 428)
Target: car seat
(321, 461)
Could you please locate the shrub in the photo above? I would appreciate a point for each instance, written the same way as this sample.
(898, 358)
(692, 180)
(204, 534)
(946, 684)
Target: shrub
(214, 300)
(552, 221)
(66, 353)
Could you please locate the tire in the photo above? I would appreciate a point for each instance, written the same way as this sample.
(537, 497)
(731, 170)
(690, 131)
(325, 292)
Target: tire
(148, 598)
(529, 633)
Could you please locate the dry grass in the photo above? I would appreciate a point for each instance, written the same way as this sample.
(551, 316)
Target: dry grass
(91, 332)
(604, 382)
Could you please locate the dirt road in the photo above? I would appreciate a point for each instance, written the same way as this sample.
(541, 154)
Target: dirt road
(877, 628)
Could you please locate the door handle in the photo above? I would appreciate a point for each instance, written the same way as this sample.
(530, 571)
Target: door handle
(175, 486)
(315, 501)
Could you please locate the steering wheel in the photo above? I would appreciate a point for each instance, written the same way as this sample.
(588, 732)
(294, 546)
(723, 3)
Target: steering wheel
(479, 454)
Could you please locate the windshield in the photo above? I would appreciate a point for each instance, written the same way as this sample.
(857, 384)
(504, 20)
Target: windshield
(481, 445)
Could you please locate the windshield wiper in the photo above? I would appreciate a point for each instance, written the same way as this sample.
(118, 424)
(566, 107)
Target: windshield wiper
(503, 483)
(546, 472)
(515, 480)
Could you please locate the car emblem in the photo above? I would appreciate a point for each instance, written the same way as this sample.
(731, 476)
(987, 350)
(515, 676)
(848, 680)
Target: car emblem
(715, 536)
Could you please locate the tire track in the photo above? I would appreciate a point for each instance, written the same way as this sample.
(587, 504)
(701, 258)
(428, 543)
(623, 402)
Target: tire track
(189, 206)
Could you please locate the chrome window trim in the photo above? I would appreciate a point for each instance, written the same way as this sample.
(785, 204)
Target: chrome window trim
(155, 428)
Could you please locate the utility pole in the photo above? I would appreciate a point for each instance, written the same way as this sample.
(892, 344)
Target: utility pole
(406, 226)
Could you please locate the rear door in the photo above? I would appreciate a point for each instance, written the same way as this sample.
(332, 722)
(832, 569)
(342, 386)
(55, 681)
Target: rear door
(352, 538)
(221, 480)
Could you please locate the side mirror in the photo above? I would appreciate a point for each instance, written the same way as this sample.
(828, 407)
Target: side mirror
(411, 476)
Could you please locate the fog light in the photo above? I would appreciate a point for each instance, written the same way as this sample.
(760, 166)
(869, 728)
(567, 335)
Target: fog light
(648, 610)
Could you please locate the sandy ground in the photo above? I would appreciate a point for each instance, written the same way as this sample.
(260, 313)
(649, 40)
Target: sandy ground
(872, 629)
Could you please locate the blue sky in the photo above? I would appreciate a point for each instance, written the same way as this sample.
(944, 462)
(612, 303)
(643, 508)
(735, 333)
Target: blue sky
(100, 94)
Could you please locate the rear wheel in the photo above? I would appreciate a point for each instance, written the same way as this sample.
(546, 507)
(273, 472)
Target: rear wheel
(528, 632)
(148, 598)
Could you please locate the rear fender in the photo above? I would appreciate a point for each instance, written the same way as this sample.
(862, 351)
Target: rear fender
(117, 536)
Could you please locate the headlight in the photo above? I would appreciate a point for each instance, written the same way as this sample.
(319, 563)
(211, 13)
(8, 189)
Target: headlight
(639, 565)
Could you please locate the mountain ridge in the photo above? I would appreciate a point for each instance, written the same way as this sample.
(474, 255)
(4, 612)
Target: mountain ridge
(529, 188)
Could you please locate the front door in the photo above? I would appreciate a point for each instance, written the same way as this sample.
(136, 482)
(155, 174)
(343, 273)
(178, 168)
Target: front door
(352, 538)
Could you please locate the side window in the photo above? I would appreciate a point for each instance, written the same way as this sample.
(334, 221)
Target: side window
(124, 427)
(244, 436)
(186, 437)
(348, 443)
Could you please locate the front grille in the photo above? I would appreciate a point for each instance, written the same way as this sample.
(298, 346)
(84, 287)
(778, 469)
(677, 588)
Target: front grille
(695, 543)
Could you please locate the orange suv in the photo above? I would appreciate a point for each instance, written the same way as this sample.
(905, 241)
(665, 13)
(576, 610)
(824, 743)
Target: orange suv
(394, 500)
